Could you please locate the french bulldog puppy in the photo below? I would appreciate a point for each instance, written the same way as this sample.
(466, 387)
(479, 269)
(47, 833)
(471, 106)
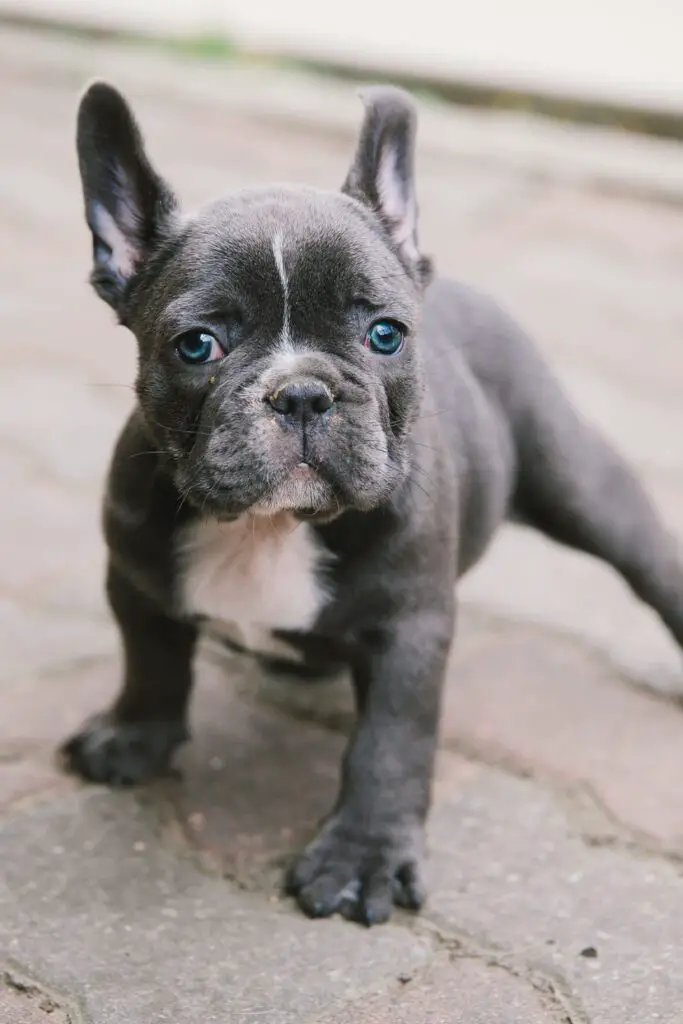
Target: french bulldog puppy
(325, 440)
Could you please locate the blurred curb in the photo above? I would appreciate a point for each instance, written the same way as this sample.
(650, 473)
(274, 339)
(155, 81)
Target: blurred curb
(622, 90)
(533, 146)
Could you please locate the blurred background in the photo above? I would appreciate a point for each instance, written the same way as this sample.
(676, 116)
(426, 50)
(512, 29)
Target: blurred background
(610, 50)
(550, 174)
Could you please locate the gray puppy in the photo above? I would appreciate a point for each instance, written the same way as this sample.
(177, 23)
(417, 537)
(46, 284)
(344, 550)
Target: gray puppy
(324, 442)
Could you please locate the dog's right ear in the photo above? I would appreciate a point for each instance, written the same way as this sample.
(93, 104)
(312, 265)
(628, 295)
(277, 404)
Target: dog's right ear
(127, 205)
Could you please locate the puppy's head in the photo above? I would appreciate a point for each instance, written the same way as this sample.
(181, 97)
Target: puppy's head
(276, 328)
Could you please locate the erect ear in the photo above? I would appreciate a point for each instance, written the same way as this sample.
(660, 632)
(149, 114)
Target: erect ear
(127, 205)
(382, 175)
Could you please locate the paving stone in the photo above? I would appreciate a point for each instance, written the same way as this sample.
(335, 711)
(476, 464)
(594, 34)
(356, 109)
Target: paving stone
(94, 899)
(45, 708)
(72, 427)
(541, 704)
(255, 782)
(47, 705)
(611, 264)
(32, 639)
(29, 775)
(528, 578)
(57, 558)
(506, 866)
(451, 990)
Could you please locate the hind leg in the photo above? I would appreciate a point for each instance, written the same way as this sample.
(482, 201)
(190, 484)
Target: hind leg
(573, 487)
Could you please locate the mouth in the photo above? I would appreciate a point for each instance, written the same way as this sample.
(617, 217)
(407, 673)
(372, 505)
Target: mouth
(301, 490)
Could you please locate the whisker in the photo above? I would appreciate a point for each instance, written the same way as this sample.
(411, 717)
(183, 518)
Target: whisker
(180, 430)
(421, 444)
(181, 504)
(417, 470)
(434, 413)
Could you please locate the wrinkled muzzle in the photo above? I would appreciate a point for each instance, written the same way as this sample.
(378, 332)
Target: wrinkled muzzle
(301, 436)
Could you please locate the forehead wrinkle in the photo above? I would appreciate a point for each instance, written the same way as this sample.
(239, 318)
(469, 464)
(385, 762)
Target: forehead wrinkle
(348, 270)
(190, 307)
(284, 255)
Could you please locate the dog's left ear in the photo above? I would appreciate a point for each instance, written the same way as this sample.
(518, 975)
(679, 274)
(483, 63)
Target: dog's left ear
(128, 206)
(382, 175)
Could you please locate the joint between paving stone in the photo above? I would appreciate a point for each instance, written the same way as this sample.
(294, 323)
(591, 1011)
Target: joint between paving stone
(579, 800)
(606, 830)
(386, 987)
(550, 984)
(50, 1001)
(498, 621)
(177, 837)
(28, 801)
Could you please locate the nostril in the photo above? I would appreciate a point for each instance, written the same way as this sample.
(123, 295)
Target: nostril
(280, 401)
(322, 402)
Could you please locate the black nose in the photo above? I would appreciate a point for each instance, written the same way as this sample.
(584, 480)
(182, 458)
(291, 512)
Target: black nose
(301, 400)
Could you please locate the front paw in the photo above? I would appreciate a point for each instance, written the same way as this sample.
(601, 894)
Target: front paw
(358, 874)
(121, 753)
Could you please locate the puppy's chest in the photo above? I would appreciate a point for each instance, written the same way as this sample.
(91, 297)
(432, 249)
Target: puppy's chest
(252, 576)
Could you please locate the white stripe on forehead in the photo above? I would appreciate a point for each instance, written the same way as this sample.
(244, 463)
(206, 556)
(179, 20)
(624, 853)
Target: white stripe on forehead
(280, 264)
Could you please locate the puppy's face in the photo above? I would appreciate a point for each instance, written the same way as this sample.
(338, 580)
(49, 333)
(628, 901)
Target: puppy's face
(276, 329)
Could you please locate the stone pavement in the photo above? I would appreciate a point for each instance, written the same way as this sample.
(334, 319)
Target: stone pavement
(556, 841)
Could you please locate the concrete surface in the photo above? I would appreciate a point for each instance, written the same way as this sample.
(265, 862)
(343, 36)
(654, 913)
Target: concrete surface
(615, 52)
(556, 840)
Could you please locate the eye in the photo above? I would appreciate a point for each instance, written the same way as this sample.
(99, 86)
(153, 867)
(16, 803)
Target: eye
(197, 347)
(385, 338)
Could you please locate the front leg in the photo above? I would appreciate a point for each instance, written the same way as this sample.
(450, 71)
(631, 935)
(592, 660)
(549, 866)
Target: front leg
(134, 740)
(368, 853)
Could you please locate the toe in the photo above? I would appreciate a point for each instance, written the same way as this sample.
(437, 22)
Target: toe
(300, 873)
(376, 899)
(121, 754)
(409, 891)
(327, 890)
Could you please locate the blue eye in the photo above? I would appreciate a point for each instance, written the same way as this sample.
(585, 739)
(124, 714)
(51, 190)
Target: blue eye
(197, 347)
(385, 337)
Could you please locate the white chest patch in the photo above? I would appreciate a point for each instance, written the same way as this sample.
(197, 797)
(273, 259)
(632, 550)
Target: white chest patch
(252, 576)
